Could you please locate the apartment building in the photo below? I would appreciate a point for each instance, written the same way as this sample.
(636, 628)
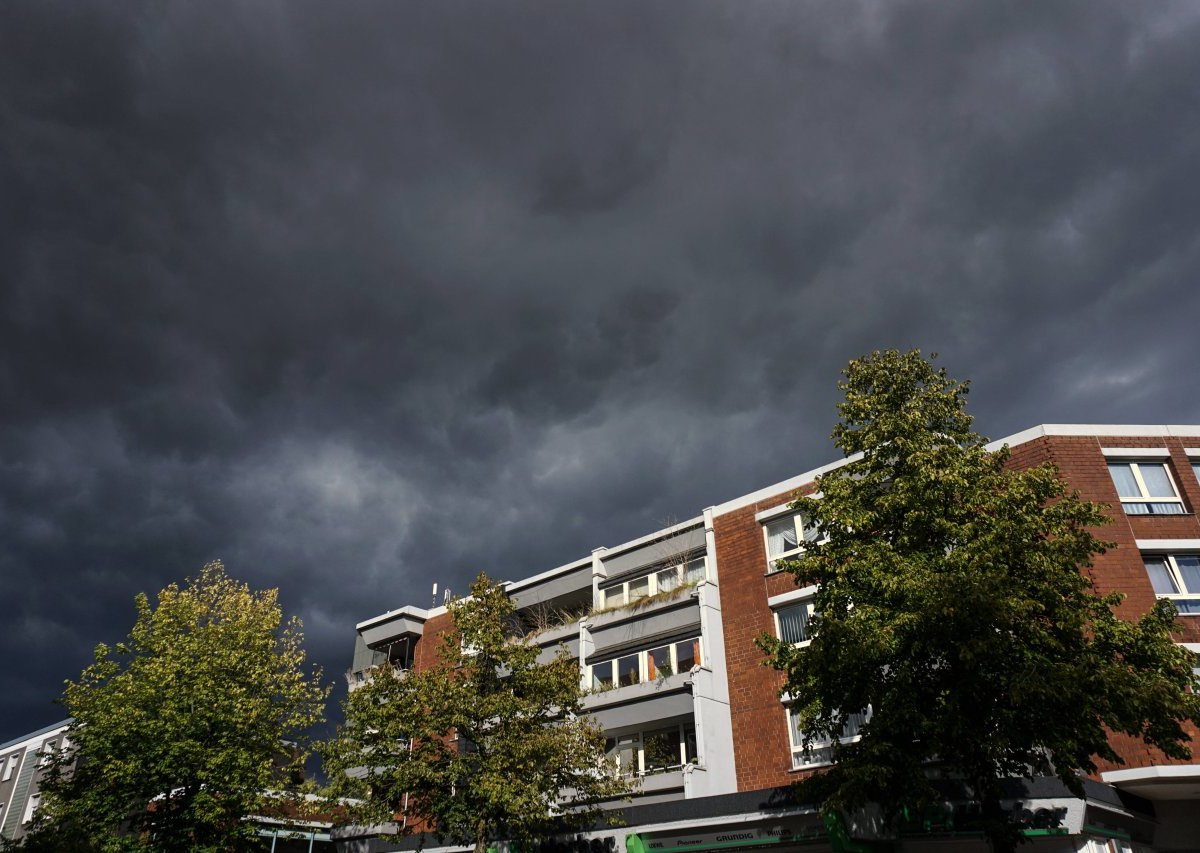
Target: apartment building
(665, 642)
(22, 766)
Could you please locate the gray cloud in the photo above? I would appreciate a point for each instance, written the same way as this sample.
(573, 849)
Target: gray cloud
(359, 298)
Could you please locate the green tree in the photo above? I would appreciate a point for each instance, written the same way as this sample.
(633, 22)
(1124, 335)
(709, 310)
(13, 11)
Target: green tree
(485, 745)
(179, 731)
(951, 601)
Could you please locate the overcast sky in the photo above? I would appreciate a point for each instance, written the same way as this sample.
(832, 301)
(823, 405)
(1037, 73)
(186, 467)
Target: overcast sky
(360, 297)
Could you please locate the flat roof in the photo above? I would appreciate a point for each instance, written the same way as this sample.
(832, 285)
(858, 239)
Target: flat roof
(794, 483)
(33, 735)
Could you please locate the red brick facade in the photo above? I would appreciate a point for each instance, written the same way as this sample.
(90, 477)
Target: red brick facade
(761, 746)
(762, 753)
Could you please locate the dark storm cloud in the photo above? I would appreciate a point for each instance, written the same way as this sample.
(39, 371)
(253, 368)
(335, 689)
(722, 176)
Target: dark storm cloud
(363, 297)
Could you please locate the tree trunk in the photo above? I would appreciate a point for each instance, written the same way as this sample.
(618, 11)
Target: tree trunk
(481, 844)
(1001, 835)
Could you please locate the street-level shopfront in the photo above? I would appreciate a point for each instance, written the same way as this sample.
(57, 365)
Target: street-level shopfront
(1052, 820)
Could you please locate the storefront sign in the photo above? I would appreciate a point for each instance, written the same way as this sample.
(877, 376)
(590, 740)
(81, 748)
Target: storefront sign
(728, 837)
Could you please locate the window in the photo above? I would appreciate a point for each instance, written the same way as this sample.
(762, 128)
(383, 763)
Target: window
(30, 807)
(1196, 468)
(662, 750)
(10, 765)
(689, 573)
(653, 751)
(47, 752)
(1177, 577)
(614, 596)
(629, 670)
(1146, 488)
(687, 655)
(792, 622)
(821, 751)
(667, 579)
(625, 753)
(1108, 845)
(650, 665)
(786, 538)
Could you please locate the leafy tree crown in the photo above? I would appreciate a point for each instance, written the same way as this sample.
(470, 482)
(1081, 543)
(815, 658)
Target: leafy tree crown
(486, 744)
(954, 600)
(179, 730)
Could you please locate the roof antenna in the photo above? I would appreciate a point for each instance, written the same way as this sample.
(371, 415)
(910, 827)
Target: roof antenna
(446, 597)
(433, 601)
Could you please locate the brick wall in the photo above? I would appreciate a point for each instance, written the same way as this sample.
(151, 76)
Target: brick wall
(425, 655)
(1082, 464)
(762, 753)
(760, 738)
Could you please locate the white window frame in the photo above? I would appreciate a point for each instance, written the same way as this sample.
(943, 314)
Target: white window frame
(1176, 576)
(10, 766)
(46, 752)
(31, 806)
(808, 604)
(643, 657)
(1135, 469)
(806, 534)
(680, 569)
(817, 747)
(1194, 648)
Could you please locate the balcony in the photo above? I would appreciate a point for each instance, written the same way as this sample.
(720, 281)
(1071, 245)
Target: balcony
(620, 707)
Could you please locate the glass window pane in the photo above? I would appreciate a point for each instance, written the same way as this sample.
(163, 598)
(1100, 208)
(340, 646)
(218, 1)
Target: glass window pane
(623, 753)
(667, 579)
(1122, 475)
(794, 726)
(628, 671)
(639, 588)
(1189, 571)
(793, 623)
(614, 596)
(854, 723)
(1196, 469)
(662, 749)
(1186, 605)
(693, 572)
(602, 676)
(687, 655)
(1158, 484)
(689, 744)
(659, 661)
(781, 536)
(1161, 509)
(1160, 576)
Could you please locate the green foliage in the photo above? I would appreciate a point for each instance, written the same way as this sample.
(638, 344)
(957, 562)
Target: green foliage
(179, 730)
(485, 745)
(951, 600)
